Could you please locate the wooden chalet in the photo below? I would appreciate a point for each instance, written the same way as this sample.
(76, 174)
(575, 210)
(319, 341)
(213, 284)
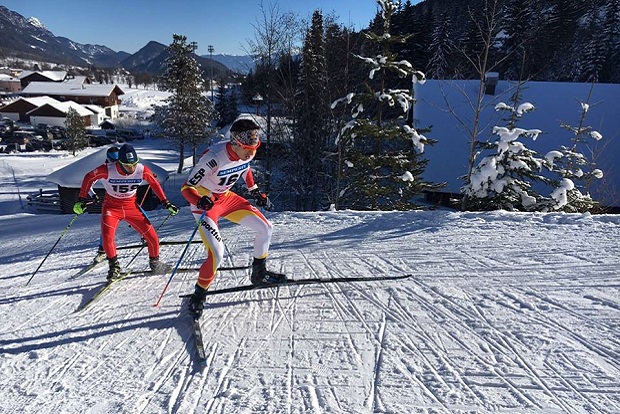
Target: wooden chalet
(27, 76)
(105, 96)
(56, 114)
(19, 109)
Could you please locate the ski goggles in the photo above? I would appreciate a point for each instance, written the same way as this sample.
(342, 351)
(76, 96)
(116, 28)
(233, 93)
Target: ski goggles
(242, 138)
(130, 164)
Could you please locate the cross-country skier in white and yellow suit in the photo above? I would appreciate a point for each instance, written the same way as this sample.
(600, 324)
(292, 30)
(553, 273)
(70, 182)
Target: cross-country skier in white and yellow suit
(208, 190)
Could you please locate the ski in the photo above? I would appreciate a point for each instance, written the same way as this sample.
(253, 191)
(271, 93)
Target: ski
(295, 282)
(161, 243)
(180, 270)
(101, 291)
(95, 263)
(198, 342)
(223, 268)
(196, 269)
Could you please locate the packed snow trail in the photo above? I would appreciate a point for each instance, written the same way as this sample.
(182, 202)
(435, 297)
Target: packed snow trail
(505, 312)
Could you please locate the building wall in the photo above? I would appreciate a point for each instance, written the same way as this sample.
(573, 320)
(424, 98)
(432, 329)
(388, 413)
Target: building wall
(17, 110)
(10, 86)
(54, 120)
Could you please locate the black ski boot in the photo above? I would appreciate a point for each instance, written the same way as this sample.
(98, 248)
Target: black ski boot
(115, 269)
(159, 267)
(196, 302)
(100, 255)
(262, 276)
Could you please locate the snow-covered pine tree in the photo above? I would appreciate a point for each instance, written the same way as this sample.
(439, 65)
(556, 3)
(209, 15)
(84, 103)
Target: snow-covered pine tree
(187, 114)
(381, 168)
(75, 131)
(576, 171)
(503, 179)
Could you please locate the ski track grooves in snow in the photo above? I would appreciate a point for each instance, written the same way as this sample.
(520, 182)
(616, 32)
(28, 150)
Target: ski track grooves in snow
(504, 344)
(486, 324)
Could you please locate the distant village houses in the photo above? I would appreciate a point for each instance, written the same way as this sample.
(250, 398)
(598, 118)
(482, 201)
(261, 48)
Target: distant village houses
(9, 84)
(44, 97)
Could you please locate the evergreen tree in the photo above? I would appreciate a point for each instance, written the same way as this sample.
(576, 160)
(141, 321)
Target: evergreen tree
(503, 179)
(563, 21)
(590, 47)
(187, 114)
(610, 71)
(381, 167)
(311, 135)
(441, 48)
(516, 35)
(576, 171)
(75, 131)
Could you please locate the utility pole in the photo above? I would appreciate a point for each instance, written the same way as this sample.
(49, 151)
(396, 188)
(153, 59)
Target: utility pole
(211, 49)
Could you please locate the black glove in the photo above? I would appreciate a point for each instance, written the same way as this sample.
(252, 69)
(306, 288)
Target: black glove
(261, 199)
(205, 203)
(170, 207)
(95, 199)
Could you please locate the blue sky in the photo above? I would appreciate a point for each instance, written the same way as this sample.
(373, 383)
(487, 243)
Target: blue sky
(130, 25)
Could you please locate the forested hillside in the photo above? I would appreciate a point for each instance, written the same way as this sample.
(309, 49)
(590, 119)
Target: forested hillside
(550, 40)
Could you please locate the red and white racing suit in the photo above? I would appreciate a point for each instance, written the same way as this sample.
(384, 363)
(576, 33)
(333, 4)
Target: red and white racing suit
(217, 170)
(120, 203)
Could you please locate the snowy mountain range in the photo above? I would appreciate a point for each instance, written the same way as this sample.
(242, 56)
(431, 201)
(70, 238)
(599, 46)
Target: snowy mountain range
(28, 38)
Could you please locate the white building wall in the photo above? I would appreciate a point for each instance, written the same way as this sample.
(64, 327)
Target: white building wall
(49, 120)
(111, 112)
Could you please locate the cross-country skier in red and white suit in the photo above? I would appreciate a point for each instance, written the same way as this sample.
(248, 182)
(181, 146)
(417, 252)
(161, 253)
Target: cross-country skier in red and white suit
(121, 180)
(208, 189)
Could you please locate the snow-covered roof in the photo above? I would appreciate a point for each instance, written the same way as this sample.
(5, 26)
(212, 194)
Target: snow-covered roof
(64, 108)
(80, 79)
(41, 100)
(96, 109)
(36, 101)
(8, 78)
(72, 89)
(71, 176)
(54, 75)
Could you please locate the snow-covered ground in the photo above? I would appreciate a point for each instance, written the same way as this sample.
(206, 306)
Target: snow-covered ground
(504, 313)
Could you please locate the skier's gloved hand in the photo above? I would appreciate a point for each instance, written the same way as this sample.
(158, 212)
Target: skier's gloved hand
(261, 199)
(170, 207)
(80, 206)
(205, 203)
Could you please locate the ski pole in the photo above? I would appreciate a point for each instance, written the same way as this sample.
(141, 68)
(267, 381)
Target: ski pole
(148, 188)
(174, 271)
(75, 216)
